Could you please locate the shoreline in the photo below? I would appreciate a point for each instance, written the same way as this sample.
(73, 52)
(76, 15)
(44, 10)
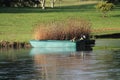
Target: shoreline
(108, 36)
(14, 45)
(17, 45)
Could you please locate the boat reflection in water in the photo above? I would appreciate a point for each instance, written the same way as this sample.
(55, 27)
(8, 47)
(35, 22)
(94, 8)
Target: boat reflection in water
(59, 63)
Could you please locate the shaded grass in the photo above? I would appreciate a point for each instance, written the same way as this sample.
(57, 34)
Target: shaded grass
(66, 6)
(18, 23)
(70, 8)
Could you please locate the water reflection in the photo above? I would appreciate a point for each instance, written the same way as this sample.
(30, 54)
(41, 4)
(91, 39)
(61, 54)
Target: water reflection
(61, 67)
(61, 64)
(111, 68)
(14, 64)
(52, 50)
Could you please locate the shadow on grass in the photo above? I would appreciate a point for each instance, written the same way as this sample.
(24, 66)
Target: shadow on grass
(115, 16)
(74, 8)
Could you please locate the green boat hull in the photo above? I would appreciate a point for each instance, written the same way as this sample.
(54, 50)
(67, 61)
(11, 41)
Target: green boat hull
(52, 50)
(52, 43)
(59, 43)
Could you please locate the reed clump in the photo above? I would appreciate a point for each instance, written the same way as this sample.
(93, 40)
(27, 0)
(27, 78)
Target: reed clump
(63, 30)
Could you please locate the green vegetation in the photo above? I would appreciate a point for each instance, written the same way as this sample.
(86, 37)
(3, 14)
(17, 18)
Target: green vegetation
(17, 24)
(104, 7)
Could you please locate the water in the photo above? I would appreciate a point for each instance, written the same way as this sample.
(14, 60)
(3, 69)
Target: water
(102, 63)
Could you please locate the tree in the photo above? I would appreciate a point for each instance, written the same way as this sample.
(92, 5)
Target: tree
(52, 3)
(7, 3)
(104, 7)
(26, 3)
(19, 3)
(43, 3)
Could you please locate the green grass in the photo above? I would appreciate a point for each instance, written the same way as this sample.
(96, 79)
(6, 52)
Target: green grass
(104, 44)
(17, 24)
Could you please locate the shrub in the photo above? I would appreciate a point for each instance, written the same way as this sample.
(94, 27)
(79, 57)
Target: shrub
(63, 30)
(104, 7)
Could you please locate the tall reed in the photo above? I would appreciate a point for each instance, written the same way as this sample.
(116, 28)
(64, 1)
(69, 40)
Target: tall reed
(63, 30)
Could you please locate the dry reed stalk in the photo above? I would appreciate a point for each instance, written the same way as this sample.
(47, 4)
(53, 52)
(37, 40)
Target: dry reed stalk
(66, 30)
(76, 28)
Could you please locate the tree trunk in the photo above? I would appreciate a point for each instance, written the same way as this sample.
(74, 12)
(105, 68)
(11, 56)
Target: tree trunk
(104, 14)
(52, 3)
(43, 4)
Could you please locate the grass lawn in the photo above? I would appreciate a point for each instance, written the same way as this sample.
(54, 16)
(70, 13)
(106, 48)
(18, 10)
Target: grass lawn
(17, 24)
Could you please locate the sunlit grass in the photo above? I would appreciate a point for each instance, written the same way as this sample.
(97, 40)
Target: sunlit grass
(18, 23)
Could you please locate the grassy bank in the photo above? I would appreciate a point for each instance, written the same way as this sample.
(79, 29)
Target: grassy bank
(17, 24)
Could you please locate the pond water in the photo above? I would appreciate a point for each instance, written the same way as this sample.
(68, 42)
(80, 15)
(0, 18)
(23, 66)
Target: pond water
(101, 63)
